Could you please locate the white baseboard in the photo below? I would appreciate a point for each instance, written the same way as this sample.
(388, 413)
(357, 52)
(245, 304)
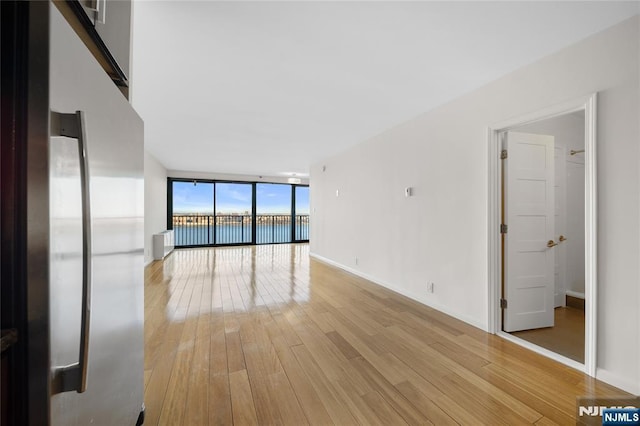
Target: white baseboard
(575, 294)
(469, 320)
(625, 383)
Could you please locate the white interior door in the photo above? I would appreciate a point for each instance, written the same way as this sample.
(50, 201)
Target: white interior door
(529, 257)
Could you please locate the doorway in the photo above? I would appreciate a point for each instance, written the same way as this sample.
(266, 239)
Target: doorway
(542, 261)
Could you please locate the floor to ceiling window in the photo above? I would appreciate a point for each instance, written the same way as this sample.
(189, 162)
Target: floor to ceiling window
(273, 219)
(192, 218)
(207, 213)
(233, 213)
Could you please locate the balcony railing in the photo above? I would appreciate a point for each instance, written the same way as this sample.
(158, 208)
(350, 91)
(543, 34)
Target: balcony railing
(202, 229)
(302, 227)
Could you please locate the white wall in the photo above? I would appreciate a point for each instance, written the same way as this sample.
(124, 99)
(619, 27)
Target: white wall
(440, 234)
(155, 202)
(568, 131)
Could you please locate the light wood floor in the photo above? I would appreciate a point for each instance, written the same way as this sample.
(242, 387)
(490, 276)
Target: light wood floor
(264, 335)
(566, 337)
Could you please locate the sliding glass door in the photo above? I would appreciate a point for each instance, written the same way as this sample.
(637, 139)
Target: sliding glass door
(208, 213)
(234, 213)
(192, 217)
(273, 218)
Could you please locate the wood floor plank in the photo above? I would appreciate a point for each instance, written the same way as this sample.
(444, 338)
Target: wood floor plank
(175, 402)
(561, 400)
(320, 320)
(156, 391)
(314, 409)
(389, 393)
(220, 409)
(264, 400)
(356, 403)
(546, 422)
(235, 353)
(287, 330)
(460, 377)
(441, 377)
(427, 407)
(504, 402)
(289, 408)
(147, 377)
(218, 347)
(197, 408)
(361, 343)
(383, 410)
(339, 413)
(265, 335)
(461, 413)
(345, 347)
(324, 352)
(543, 404)
(244, 412)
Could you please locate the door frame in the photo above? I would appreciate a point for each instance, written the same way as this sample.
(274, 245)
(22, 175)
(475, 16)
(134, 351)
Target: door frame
(587, 104)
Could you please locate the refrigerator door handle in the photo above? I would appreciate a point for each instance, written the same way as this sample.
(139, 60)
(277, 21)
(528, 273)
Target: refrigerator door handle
(74, 376)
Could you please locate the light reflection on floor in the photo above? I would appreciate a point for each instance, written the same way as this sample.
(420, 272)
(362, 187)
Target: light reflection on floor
(241, 278)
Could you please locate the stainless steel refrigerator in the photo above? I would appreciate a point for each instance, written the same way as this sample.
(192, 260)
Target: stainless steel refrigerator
(84, 198)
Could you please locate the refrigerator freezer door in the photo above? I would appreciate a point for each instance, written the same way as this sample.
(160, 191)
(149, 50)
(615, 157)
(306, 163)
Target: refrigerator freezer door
(114, 138)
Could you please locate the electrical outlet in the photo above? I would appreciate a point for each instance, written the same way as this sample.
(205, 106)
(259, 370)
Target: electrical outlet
(430, 287)
(356, 260)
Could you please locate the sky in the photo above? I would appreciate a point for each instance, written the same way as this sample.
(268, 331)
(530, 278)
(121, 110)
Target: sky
(272, 198)
(236, 198)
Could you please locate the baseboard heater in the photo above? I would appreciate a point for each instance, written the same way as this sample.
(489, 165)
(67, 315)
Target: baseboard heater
(163, 244)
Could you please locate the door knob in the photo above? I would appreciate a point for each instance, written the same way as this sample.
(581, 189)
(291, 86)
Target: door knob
(562, 238)
(551, 243)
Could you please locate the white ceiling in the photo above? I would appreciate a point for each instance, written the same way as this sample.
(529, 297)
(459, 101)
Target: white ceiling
(267, 88)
